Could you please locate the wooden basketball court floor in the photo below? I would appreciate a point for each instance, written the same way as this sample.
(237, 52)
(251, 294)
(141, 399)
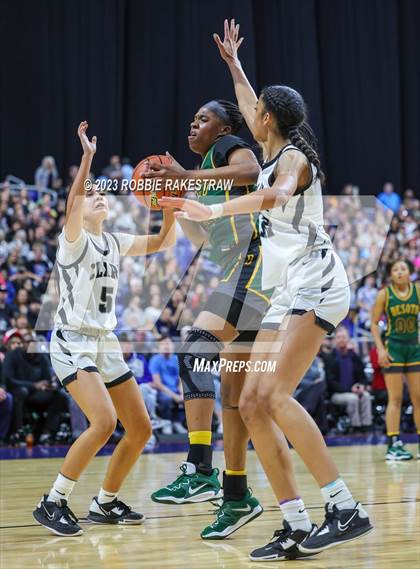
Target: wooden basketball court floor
(170, 536)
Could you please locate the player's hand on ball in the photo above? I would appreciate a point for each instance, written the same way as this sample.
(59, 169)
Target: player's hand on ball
(190, 209)
(172, 171)
(89, 146)
(230, 45)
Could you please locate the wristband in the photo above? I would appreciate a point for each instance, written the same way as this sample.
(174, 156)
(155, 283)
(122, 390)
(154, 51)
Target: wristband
(216, 210)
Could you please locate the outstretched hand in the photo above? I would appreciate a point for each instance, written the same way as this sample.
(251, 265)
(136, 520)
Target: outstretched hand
(190, 209)
(89, 146)
(230, 45)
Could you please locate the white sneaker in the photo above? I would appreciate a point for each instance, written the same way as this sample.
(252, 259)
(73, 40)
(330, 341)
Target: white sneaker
(167, 429)
(179, 428)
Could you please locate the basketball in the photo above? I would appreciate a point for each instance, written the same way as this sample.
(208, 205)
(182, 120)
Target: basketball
(149, 190)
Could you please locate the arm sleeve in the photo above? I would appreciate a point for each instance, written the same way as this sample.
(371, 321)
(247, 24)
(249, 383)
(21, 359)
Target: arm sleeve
(70, 251)
(124, 242)
(224, 148)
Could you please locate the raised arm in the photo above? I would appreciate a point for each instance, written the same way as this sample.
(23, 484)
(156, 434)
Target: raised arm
(228, 48)
(76, 197)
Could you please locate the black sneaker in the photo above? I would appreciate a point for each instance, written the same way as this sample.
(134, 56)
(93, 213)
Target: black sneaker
(57, 517)
(115, 512)
(283, 545)
(339, 527)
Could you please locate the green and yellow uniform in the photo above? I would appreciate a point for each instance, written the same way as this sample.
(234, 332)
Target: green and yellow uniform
(402, 334)
(234, 244)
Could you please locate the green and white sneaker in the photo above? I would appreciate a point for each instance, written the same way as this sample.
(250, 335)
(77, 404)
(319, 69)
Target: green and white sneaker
(398, 452)
(232, 515)
(191, 487)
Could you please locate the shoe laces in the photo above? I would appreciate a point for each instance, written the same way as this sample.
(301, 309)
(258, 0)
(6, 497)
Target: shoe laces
(66, 513)
(281, 535)
(126, 509)
(330, 515)
(182, 478)
(224, 511)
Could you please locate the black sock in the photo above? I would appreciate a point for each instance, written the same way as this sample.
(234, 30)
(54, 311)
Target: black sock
(392, 439)
(201, 456)
(234, 487)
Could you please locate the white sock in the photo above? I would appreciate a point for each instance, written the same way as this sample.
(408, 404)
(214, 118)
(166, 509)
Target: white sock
(338, 494)
(104, 496)
(295, 514)
(61, 489)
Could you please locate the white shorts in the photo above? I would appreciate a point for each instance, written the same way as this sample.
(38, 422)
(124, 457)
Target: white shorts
(315, 282)
(100, 352)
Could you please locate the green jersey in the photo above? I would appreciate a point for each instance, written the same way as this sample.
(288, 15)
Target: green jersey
(228, 236)
(402, 315)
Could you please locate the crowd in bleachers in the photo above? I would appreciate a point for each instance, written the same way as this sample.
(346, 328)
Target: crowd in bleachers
(159, 298)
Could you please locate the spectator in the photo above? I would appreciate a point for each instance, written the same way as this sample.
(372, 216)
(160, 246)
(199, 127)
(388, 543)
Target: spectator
(311, 393)
(165, 373)
(126, 169)
(378, 381)
(113, 170)
(29, 379)
(154, 310)
(138, 364)
(6, 311)
(165, 325)
(366, 296)
(389, 197)
(6, 408)
(46, 174)
(347, 381)
(134, 314)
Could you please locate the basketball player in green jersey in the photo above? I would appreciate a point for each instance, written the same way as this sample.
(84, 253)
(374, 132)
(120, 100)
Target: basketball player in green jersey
(229, 321)
(399, 354)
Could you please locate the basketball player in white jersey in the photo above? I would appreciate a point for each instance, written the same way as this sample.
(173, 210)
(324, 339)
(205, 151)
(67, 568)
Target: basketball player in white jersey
(86, 354)
(311, 298)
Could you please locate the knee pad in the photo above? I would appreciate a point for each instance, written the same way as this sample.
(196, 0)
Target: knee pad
(197, 362)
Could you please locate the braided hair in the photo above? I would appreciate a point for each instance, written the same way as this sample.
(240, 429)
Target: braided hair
(228, 112)
(289, 109)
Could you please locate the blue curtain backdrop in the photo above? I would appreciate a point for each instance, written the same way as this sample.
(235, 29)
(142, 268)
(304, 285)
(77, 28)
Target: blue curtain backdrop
(138, 71)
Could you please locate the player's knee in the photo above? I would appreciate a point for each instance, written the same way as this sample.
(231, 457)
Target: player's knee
(394, 400)
(140, 434)
(197, 364)
(247, 407)
(104, 425)
(415, 400)
(271, 401)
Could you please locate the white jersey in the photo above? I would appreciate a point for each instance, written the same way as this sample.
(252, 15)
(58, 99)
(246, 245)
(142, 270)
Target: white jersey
(88, 271)
(292, 231)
